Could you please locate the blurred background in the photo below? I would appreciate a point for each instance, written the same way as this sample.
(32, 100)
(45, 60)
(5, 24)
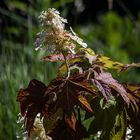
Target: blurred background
(109, 27)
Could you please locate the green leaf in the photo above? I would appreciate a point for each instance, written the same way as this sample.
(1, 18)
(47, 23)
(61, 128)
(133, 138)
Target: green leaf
(107, 63)
(80, 62)
(119, 129)
(109, 103)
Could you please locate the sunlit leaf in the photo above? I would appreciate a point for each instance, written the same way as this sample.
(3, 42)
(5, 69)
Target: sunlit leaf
(59, 57)
(63, 68)
(79, 62)
(71, 121)
(103, 88)
(107, 79)
(84, 101)
(108, 103)
(88, 50)
(88, 54)
(107, 63)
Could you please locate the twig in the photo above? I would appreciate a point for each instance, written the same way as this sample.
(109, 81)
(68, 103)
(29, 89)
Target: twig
(67, 65)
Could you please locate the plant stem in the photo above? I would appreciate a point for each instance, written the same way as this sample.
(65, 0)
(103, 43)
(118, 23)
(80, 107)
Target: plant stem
(67, 65)
(88, 76)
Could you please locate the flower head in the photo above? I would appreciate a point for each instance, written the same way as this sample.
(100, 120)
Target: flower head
(54, 36)
(52, 18)
(38, 131)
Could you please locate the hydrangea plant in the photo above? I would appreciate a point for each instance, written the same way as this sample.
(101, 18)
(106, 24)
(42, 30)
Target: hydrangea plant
(84, 101)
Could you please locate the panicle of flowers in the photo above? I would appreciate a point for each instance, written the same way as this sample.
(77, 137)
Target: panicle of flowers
(38, 131)
(77, 39)
(22, 134)
(52, 18)
(53, 36)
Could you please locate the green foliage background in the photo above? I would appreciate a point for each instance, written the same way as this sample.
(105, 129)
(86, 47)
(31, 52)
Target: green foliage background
(112, 35)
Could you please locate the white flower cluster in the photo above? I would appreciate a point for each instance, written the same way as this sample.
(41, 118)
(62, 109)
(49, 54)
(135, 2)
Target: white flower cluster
(52, 18)
(38, 132)
(77, 39)
(22, 134)
(54, 36)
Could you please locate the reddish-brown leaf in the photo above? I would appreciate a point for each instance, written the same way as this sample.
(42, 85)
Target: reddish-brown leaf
(31, 102)
(59, 57)
(133, 91)
(103, 88)
(84, 101)
(71, 121)
(127, 66)
(61, 93)
(64, 132)
(107, 79)
(67, 92)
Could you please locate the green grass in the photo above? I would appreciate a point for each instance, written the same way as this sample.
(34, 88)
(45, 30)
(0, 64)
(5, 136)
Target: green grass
(19, 64)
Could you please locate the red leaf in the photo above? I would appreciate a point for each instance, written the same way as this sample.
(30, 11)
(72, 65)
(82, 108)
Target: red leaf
(61, 94)
(133, 91)
(127, 66)
(106, 78)
(59, 57)
(84, 101)
(31, 102)
(71, 121)
(67, 92)
(103, 88)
